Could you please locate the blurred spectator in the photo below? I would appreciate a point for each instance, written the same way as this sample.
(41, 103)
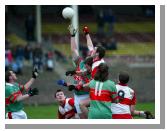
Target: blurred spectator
(19, 55)
(49, 61)
(30, 28)
(7, 64)
(16, 67)
(8, 56)
(38, 57)
(28, 52)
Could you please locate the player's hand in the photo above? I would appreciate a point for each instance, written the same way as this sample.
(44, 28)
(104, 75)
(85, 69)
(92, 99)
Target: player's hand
(71, 87)
(86, 30)
(71, 73)
(35, 73)
(149, 115)
(75, 87)
(62, 82)
(32, 92)
(79, 86)
(72, 30)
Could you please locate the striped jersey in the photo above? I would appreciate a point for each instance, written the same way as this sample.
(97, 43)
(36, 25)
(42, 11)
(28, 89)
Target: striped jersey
(101, 96)
(95, 66)
(126, 97)
(67, 111)
(12, 91)
(83, 79)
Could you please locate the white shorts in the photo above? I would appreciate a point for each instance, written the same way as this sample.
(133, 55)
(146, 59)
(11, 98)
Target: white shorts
(77, 99)
(16, 115)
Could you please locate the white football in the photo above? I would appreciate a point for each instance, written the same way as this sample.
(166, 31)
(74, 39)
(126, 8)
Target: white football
(68, 13)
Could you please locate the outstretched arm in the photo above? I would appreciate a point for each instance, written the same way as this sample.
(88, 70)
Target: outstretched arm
(31, 81)
(22, 97)
(88, 39)
(143, 114)
(74, 49)
(31, 92)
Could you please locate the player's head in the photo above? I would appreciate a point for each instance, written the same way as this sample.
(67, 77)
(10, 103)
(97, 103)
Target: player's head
(88, 63)
(10, 76)
(59, 96)
(102, 72)
(100, 51)
(123, 77)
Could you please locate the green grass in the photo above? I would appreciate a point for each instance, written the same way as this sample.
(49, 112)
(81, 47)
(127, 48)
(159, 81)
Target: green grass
(140, 27)
(50, 111)
(41, 112)
(145, 106)
(123, 49)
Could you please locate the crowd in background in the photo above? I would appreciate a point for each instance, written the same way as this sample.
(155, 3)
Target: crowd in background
(33, 55)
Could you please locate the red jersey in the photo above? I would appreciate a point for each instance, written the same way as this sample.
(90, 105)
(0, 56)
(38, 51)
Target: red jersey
(95, 64)
(67, 110)
(127, 98)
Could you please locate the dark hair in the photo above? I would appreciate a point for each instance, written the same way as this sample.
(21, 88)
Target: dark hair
(123, 77)
(102, 72)
(7, 74)
(89, 61)
(59, 90)
(101, 51)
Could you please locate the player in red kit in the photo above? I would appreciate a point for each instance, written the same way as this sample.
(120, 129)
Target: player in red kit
(125, 108)
(66, 109)
(97, 52)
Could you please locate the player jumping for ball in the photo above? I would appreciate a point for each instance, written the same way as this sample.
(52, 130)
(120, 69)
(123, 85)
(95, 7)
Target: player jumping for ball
(81, 74)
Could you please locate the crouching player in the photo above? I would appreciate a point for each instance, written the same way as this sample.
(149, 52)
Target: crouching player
(125, 108)
(66, 109)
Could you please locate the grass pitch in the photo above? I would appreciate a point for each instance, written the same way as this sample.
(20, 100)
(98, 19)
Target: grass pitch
(50, 111)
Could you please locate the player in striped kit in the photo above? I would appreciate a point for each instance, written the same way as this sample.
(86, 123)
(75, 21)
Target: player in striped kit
(126, 97)
(66, 109)
(102, 94)
(125, 108)
(97, 52)
(81, 74)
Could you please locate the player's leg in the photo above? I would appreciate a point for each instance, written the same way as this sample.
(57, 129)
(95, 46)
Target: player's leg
(77, 99)
(84, 104)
